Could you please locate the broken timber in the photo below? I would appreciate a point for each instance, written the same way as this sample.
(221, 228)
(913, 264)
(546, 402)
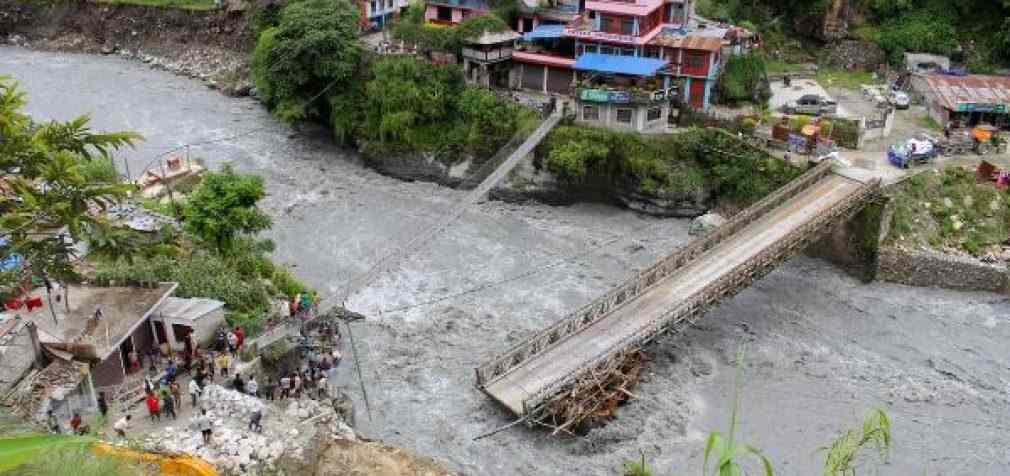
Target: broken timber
(567, 372)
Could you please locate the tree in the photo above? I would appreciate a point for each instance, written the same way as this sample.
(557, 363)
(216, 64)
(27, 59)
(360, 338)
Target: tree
(223, 208)
(313, 49)
(46, 199)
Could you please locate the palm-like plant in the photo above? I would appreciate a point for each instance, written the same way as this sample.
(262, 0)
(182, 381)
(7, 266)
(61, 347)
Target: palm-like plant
(725, 449)
(844, 451)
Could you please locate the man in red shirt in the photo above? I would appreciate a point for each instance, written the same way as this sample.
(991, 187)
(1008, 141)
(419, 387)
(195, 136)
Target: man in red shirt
(153, 407)
(240, 335)
(75, 422)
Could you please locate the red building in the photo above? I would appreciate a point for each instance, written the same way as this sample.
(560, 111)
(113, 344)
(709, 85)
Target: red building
(645, 29)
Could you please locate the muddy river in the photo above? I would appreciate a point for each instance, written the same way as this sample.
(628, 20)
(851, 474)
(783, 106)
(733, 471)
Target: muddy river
(821, 348)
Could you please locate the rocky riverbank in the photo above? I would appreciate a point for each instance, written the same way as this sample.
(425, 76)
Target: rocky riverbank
(212, 46)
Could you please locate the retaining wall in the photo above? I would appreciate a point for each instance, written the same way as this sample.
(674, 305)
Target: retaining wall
(934, 269)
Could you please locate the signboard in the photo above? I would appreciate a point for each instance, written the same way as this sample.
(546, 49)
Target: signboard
(982, 107)
(599, 95)
(600, 35)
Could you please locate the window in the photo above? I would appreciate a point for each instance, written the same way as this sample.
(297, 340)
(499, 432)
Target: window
(592, 14)
(654, 113)
(624, 115)
(627, 26)
(389, 4)
(651, 52)
(527, 24)
(590, 113)
(628, 52)
(589, 48)
(695, 61)
(606, 50)
(444, 13)
(609, 24)
(372, 7)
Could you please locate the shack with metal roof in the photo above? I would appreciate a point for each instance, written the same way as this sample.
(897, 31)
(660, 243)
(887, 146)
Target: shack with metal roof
(965, 101)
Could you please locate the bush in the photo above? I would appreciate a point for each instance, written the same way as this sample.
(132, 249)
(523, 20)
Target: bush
(924, 31)
(685, 163)
(99, 170)
(743, 80)
(413, 105)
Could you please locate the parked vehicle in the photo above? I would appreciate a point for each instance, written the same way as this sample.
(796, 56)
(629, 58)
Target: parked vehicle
(917, 151)
(899, 100)
(811, 104)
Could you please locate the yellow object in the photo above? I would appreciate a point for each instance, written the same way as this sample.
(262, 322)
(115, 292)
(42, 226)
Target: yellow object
(169, 465)
(809, 130)
(983, 133)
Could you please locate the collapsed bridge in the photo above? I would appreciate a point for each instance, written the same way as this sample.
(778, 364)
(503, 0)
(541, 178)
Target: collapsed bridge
(573, 357)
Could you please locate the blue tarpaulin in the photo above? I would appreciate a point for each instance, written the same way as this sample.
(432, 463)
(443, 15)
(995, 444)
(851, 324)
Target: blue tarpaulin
(632, 65)
(11, 261)
(545, 31)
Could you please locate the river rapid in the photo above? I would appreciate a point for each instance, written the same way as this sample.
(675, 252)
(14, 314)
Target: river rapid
(820, 347)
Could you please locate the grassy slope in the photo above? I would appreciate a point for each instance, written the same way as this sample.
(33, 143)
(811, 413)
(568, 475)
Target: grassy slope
(18, 450)
(180, 4)
(949, 210)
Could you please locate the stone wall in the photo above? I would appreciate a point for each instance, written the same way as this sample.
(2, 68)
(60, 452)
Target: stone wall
(934, 269)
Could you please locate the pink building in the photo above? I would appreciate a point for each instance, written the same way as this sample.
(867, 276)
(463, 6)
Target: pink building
(452, 12)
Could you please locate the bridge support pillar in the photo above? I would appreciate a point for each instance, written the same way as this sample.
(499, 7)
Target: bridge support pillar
(854, 244)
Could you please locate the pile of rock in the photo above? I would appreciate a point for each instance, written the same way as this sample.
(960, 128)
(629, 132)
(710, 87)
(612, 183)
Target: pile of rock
(236, 449)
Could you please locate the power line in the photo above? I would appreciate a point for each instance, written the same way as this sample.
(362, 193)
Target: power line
(534, 271)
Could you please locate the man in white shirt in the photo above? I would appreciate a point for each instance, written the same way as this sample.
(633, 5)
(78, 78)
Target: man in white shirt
(251, 387)
(122, 425)
(194, 391)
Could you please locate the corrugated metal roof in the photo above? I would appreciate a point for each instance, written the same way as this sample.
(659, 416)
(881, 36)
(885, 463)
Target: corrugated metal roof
(631, 65)
(674, 38)
(954, 92)
(544, 31)
(189, 309)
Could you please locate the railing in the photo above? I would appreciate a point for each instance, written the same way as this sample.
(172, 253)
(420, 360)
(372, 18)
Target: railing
(590, 313)
(727, 284)
(487, 56)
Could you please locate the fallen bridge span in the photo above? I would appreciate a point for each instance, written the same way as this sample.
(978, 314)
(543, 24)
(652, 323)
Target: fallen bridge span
(580, 350)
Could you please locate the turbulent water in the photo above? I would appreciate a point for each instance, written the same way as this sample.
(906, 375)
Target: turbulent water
(821, 348)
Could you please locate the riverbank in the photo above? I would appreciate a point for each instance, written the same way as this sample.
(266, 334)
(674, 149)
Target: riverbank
(212, 46)
(822, 347)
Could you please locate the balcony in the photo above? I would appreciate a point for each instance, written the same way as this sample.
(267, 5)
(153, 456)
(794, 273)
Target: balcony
(489, 55)
(630, 95)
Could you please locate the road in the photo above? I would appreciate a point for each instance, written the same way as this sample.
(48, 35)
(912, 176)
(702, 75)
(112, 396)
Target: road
(571, 354)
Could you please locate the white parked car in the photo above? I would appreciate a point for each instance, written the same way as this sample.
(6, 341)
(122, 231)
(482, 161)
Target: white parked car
(899, 100)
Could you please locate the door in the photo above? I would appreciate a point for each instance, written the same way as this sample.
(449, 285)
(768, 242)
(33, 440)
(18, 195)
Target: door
(697, 94)
(533, 77)
(559, 80)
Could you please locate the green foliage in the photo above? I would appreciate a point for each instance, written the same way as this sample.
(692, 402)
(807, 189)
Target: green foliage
(743, 80)
(413, 105)
(726, 451)
(77, 454)
(842, 454)
(949, 209)
(57, 154)
(224, 208)
(637, 468)
(844, 78)
(313, 48)
(685, 163)
(922, 31)
(100, 171)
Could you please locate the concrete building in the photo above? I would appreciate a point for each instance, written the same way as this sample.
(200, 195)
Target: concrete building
(452, 12)
(100, 325)
(378, 14)
(178, 318)
(486, 59)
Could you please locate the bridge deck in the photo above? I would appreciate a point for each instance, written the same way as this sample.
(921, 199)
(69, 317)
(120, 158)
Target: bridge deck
(567, 356)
